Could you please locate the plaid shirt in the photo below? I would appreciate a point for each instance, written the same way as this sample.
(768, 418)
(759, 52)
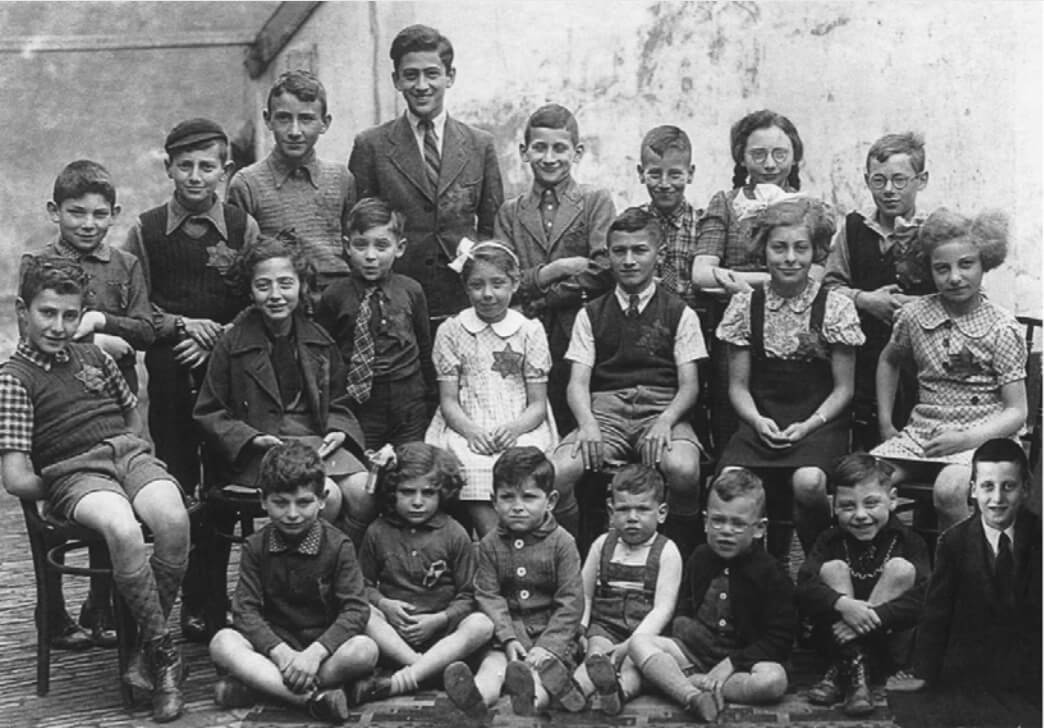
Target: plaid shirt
(16, 409)
(679, 247)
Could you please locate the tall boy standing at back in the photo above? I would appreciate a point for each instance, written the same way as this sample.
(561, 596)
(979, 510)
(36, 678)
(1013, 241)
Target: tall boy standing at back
(558, 231)
(440, 173)
(185, 247)
(292, 187)
(875, 260)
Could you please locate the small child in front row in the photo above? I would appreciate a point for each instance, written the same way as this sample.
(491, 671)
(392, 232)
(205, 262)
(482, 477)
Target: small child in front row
(631, 581)
(981, 622)
(492, 364)
(379, 319)
(862, 585)
(528, 583)
(67, 427)
(298, 612)
(419, 566)
(734, 625)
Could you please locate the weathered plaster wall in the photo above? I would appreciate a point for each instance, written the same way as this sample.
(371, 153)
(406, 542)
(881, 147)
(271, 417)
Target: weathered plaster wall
(966, 75)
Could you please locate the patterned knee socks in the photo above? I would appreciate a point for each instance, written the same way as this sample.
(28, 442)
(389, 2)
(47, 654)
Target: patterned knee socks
(138, 589)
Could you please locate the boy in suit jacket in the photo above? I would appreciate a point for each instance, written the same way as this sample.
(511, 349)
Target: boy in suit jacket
(981, 622)
(440, 173)
(558, 230)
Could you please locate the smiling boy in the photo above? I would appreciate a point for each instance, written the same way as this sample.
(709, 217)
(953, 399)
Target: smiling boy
(875, 260)
(633, 380)
(558, 230)
(292, 187)
(862, 585)
(440, 173)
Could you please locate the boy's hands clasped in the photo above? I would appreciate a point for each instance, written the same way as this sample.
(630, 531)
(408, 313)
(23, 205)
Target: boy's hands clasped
(300, 669)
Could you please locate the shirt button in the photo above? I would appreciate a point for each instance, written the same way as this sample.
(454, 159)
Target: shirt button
(520, 571)
(524, 594)
(722, 622)
(726, 571)
(414, 553)
(519, 543)
(723, 596)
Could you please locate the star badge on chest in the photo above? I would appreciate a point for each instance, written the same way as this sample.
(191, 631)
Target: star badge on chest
(507, 362)
(92, 378)
(220, 257)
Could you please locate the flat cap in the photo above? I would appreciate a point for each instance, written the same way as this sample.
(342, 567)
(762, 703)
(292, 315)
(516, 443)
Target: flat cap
(192, 132)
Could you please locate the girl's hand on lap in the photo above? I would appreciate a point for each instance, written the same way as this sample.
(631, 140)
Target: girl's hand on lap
(504, 437)
(770, 434)
(482, 443)
(946, 443)
(589, 446)
(398, 613)
(797, 431)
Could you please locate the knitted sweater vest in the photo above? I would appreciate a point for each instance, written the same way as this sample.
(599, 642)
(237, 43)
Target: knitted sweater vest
(632, 351)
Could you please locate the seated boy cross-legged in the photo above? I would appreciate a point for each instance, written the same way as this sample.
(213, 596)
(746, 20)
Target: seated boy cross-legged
(734, 625)
(68, 408)
(633, 380)
(862, 585)
(298, 611)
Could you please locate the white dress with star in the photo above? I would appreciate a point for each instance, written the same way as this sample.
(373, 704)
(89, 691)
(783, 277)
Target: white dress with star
(491, 364)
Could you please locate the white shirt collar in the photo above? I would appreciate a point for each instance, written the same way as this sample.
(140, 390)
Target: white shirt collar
(643, 297)
(438, 123)
(507, 326)
(993, 536)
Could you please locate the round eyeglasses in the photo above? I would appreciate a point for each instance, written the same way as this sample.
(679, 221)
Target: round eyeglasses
(899, 181)
(759, 156)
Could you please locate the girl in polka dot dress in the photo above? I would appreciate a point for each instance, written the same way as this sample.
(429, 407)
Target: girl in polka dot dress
(492, 364)
(970, 358)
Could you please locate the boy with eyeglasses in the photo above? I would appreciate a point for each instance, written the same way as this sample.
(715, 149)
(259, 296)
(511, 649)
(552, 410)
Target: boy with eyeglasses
(734, 624)
(875, 260)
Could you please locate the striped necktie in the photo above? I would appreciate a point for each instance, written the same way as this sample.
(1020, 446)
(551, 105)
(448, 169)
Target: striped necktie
(431, 153)
(632, 306)
(360, 365)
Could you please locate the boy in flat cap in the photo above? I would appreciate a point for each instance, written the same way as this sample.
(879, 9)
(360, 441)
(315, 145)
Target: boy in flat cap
(186, 246)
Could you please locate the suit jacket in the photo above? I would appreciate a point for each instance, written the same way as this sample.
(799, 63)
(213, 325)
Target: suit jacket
(967, 632)
(387, 164)
(240, 397)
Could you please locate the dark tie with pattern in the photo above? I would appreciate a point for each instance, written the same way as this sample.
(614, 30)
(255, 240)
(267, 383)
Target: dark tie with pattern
(632, 306)
(360, 366)
(1005, 569)
(431, 153)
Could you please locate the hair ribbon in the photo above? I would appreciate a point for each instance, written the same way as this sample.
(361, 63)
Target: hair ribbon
(467, 248)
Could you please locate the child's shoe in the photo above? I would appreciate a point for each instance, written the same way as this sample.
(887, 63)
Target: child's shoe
(459, 683)
(858, 700)
(904, 682)
(828, 690)
(367, 690)
(703, 706)
(608, 697)
(67, 635)
(139, 671)
(232, 693)
(559, 683)
(518, 683)
(329, 705)
(100, 621)
(167, 674)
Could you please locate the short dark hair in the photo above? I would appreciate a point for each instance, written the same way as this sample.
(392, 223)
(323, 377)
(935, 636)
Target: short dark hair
(662, 138)
(637, 479)
(909, 143)
(419, 39)
(300, 83)
(370, 212)
(284, 244)
(740, 483)
(553, 116)
(83, 177)
(1002, 450)
(420, 460)
(516, 465)
(855, 468)
(815, 215)
(53, 273)
(633, 220)
(289, 466)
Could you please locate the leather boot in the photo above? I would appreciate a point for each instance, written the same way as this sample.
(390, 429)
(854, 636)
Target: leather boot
(858, 700)
(828, 690)
(168, 675)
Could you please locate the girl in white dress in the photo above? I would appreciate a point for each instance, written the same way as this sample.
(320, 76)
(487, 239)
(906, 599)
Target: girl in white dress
(492, 364)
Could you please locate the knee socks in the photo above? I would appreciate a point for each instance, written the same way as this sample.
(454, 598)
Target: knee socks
(138, 589)
(403, 681)
(168, 578)
(662, 671)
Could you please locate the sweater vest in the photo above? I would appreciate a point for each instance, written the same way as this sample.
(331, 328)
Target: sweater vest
(73, 409)
(183, 283)
(639, 350)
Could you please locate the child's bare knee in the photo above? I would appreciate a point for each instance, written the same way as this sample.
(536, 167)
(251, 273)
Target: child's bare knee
(771, 680)
(899, 571)
(223, 645)
(809, 485)
(831, 571)
(478, 626)
(361, 650)
(951, 487)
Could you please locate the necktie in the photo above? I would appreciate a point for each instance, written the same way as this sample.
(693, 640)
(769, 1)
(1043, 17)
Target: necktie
(632, 306)
(360, 365)
(1005, 568)
(431, 152)
(548, 208)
